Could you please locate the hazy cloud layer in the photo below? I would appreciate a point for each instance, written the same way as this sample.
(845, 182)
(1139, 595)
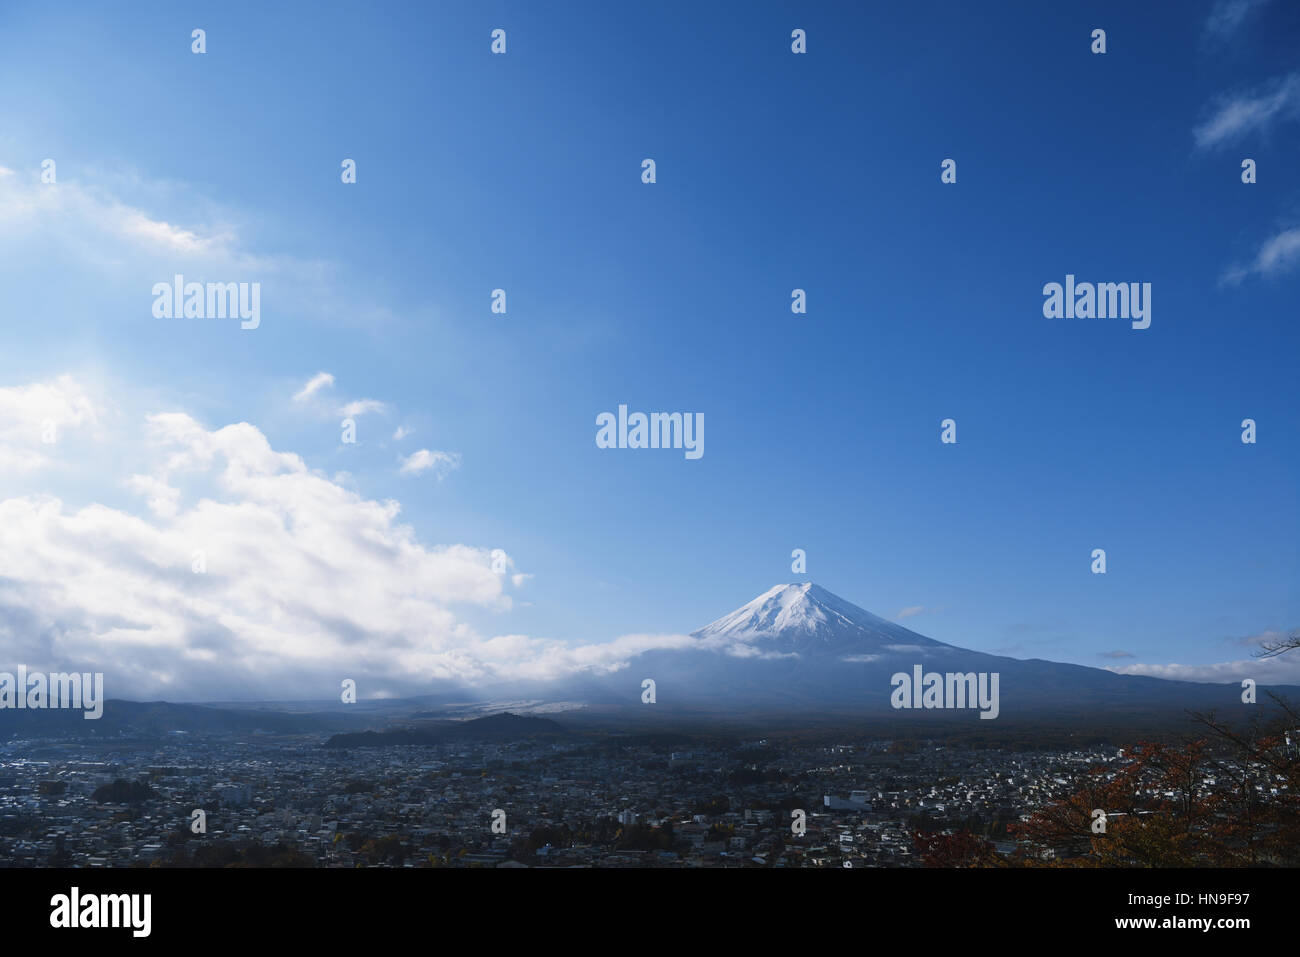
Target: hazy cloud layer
(1227, 16)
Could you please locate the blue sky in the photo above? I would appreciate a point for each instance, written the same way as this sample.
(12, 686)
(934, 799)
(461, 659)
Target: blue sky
(522, 171)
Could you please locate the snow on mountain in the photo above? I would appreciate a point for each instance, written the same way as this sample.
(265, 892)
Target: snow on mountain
(806, 618)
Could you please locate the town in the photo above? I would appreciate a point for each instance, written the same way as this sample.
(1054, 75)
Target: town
(594, 799)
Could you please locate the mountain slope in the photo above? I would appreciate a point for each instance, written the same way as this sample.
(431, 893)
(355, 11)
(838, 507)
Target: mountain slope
(800, 648)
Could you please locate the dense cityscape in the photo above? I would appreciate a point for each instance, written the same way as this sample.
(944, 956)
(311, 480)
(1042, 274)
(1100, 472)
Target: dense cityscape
(608, 800)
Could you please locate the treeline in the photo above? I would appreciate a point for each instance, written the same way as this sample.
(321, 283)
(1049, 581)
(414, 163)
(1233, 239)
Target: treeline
(237, 854)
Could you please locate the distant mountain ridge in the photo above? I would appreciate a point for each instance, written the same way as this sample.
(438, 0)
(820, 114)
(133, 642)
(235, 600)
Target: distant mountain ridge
(504, 726)
(146, 718)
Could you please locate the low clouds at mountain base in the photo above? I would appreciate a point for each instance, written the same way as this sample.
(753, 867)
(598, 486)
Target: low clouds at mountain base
(1267, 671)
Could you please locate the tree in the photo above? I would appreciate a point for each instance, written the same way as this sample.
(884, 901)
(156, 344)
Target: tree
(962, 849)
(1264, 779)
(1279, 646)
(1178, 805)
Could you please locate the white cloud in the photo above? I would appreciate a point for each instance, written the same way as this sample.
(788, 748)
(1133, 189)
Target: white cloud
(87, 223)
(307, 582)
(34, 418)
(135, 230)
(1284, 669)
(361, 407)
(909, 611)
(62, 401)
(422, 461)
(303, 575)
(741, 649)
(161, 498)
(1239, 115)
(317, 382)
(905, 649)
(524, 658)
(1279, 254)
(401, 433)
(309, 395)
(133, 224)
(92, 219)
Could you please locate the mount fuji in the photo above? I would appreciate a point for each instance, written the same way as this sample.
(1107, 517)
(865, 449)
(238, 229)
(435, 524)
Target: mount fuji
(800, 648)
(807, 620)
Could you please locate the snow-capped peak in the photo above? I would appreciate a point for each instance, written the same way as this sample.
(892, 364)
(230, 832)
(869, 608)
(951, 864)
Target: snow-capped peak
(799, 612)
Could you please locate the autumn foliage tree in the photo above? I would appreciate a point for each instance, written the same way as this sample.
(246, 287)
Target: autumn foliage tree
(1231, 799)
(960, 849)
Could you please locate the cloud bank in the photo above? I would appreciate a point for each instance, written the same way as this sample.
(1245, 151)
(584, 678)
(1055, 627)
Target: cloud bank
(243, 573)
